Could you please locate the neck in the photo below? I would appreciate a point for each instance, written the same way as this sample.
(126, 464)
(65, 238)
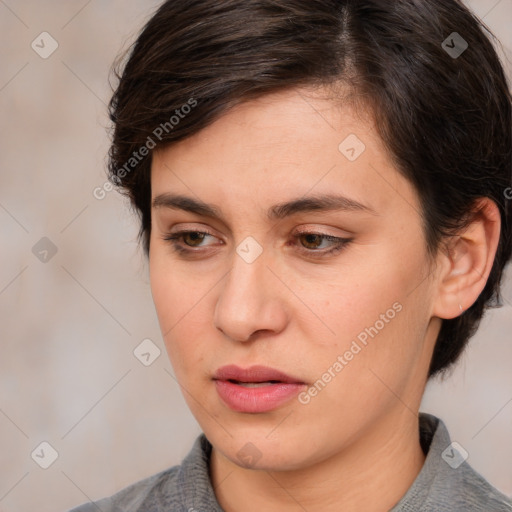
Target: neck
(372, 474)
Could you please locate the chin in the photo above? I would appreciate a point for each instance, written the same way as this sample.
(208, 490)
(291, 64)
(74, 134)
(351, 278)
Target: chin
(253, 449)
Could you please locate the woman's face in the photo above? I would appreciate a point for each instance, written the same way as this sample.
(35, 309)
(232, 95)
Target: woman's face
(351, 330)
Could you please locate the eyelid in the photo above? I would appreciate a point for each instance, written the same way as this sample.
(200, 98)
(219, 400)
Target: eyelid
(186, 228)
(314, 229)
(303, 230)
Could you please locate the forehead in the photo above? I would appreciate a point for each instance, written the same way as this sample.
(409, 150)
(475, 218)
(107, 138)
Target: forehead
(283, 145)
(296, 122)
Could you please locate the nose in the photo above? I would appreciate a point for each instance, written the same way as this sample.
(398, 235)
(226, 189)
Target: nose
(251, 301)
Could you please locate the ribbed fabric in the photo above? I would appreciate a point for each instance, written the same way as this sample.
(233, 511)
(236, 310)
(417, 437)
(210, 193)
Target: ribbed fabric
(438, 487)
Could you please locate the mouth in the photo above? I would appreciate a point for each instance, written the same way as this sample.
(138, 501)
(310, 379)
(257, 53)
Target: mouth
(254, 375)
(255, 389)
(253, 384)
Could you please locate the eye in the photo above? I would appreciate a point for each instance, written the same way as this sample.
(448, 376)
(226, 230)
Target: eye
(190, 242)
(195, 237)
(313, 239)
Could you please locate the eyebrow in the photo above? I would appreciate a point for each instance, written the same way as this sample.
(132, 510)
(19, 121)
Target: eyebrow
(317, 203)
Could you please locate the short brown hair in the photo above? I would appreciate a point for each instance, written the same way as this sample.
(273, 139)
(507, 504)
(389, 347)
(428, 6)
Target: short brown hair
(442, 110)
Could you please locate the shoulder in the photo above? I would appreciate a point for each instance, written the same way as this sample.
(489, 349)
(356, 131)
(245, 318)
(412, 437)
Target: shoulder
(447, 481)
(180, 488)
(131, 498)
(480, 494)
(465, 490)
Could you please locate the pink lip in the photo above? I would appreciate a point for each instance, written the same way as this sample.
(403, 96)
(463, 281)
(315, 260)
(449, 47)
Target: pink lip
(258, 399)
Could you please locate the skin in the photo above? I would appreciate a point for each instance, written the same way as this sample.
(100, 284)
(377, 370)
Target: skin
(355, 445)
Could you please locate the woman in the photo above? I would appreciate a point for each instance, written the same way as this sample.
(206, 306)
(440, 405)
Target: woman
(323, 188)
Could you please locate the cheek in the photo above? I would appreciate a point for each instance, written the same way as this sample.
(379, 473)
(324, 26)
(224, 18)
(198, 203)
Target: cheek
(354, 305)
(182, 308)
(376, 318)
(175, 291)
(369, 280)
(356, 380)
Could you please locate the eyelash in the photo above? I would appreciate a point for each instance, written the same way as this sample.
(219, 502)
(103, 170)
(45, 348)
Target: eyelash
(340, 243)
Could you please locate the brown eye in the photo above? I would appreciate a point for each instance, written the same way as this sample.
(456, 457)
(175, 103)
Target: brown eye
(194, 237)
(182, 240)
(312, 238)
(310, 244)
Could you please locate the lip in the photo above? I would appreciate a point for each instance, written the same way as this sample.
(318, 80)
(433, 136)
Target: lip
(265, 398)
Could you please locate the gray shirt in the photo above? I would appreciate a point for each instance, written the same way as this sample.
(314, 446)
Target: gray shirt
(445, 483)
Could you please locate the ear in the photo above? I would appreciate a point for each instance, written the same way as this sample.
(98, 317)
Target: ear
(467, 262)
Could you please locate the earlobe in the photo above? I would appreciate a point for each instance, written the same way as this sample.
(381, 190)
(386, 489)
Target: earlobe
(467, 261)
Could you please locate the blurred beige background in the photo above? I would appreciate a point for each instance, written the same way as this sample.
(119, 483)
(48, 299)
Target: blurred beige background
(69, 326)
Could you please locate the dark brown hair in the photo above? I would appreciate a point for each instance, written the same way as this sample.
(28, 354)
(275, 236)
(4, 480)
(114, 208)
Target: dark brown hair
(442, 110)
